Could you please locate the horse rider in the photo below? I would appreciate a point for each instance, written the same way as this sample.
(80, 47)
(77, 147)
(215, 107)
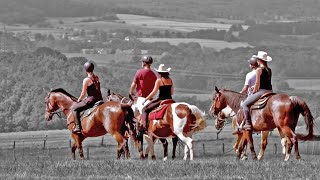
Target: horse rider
(91, 86)
(261, 86)
(144, 79)
(251, 76)
(164, 85)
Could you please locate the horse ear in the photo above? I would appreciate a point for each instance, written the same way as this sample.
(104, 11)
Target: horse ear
(217, 90)
(109, 93)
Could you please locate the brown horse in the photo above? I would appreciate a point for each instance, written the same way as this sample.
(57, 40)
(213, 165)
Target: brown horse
(281, 112)
(129, 100)
(110, 117)
(227, 113)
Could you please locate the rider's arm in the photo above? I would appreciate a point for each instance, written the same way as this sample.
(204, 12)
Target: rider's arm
(155, 89)
(133, 86)
(84, 88)
(172, 88)
(244, 89)
(257, 85)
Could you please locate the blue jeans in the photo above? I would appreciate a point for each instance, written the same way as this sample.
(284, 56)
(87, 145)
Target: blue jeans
(245, 105)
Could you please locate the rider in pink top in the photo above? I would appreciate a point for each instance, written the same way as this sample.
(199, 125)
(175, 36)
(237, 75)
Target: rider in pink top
(144, 79)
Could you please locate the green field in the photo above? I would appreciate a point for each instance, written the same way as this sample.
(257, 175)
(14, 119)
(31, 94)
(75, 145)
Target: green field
(47, 155)
(215, 44)
(174, 24)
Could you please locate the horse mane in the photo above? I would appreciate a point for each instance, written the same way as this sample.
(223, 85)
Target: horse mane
(60, 90)
(233, 98)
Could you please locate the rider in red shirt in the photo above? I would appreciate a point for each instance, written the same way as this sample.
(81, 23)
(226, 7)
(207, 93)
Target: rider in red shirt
(144, 79)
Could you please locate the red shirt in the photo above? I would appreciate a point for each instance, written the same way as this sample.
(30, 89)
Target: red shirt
(145, 80)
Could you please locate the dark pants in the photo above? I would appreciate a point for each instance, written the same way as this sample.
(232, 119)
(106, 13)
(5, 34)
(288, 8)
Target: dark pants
(250, 100)
(77, 108)
(147, 109)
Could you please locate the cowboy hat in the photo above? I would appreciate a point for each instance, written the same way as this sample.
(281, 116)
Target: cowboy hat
(162, 68)
(263, 56)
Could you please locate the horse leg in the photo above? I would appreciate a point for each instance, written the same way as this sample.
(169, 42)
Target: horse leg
(165, 149)
(174, 144)
(264, 142)
(296, 150)
(250, 141)
(236, 144)
(283, 141)
(291, 140)
(150, 146)
(77, 144)
(73, 150)
(188, 145)
(122, 145)
(242, 145)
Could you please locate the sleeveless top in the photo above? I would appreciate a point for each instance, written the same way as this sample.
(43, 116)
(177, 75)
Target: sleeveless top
(165, 91)
(265, 79)
(94, 89)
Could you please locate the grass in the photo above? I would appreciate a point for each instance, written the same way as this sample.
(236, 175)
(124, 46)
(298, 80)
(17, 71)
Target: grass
(218, 167)
(30, 160)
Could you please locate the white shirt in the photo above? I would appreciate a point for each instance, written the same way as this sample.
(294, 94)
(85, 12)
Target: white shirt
(250, 80)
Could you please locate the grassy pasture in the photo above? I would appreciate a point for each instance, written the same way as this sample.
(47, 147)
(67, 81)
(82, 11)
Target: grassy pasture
(30, 160)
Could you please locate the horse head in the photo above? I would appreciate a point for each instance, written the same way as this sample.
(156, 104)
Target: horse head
(222, 116)
(51, 107)
(119, 98)
(218, 103)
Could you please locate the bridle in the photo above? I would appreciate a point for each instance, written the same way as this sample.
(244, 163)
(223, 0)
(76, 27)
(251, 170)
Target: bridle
(51, 113)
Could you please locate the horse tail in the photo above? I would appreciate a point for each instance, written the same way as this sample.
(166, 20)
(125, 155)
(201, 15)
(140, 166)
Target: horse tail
(200, 118)
(301, 107)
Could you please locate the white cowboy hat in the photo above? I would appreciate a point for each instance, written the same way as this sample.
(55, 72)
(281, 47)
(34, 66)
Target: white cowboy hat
(162, 68)
(263, 56)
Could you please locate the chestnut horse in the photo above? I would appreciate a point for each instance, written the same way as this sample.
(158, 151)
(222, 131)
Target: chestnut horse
(110, 117)
(180, 119)
(129, 100)
(228, 113)
(281, 112)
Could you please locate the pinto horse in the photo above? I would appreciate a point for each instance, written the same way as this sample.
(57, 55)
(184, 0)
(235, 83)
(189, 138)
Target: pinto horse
(110, 117)
(180, 119)
(281, 111)
(129, 100)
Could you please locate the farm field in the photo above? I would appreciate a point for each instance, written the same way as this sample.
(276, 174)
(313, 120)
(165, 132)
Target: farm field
(157, 23)
(216, 44)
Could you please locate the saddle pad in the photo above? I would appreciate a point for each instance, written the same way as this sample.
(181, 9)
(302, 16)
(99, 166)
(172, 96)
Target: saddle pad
(87, 112)
(262, 102)
(159, 112)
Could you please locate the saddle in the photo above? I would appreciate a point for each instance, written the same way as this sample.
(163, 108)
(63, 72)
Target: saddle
(159, 112)
(262, 102)
(87, 112)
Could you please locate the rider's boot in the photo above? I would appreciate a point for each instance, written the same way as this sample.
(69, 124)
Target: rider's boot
(77, 128)
(248, 125)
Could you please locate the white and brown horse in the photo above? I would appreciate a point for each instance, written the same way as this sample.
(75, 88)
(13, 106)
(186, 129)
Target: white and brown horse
(180, 119)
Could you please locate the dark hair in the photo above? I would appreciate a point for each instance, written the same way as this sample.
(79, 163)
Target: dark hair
(147, 59)
(164, 74)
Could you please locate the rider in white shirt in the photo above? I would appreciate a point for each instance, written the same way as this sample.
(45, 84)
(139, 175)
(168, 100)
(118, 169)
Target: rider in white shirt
(251, 76)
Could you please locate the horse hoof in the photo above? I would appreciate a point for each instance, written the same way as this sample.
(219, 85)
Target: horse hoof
(165, 159)
(153, 157)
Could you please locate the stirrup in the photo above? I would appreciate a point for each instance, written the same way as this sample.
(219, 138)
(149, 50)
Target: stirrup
(76, 130)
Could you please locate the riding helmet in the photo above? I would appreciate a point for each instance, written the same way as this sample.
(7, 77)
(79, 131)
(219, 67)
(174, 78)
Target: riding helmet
(147, 59)
(253, 60)
(89, 66)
